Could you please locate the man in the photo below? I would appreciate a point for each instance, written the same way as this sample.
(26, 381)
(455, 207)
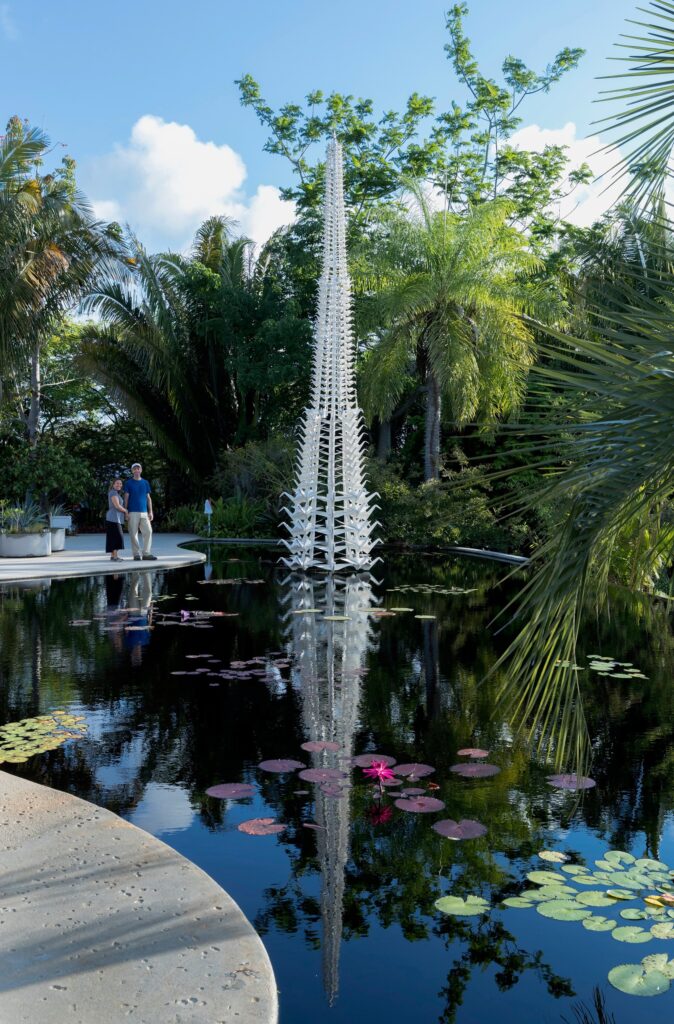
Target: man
(139, 506)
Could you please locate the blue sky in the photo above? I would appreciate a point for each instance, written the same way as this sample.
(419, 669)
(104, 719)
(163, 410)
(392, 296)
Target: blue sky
(89, 72)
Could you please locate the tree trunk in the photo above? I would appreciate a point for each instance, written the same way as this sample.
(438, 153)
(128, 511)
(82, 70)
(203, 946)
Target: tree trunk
(432, 427)
(384, 440)
(35, 408)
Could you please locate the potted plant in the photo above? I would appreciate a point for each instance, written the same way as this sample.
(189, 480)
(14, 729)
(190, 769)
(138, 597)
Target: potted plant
(23, 532)
(59, 521)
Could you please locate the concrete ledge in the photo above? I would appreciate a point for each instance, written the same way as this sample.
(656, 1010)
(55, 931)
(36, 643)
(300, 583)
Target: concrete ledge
(84, 555)
(102, 923)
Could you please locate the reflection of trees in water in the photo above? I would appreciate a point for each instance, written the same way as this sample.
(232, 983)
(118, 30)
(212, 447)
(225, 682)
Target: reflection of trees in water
(425, 695)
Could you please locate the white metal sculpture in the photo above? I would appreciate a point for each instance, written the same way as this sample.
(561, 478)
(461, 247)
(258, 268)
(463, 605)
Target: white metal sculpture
(330, 518)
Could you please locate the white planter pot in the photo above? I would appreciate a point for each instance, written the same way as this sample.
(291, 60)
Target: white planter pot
(61, 523)
(58, 538)
(25, 545)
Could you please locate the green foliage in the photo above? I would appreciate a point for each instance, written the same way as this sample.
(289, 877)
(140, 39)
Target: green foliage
(463, 150)
(21, 519)
(232, 517)
(49, 471)
(643, 125)
(202, 358)
(436, 513)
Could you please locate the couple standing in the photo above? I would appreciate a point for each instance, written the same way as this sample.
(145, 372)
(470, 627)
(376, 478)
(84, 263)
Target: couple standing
(137, 509)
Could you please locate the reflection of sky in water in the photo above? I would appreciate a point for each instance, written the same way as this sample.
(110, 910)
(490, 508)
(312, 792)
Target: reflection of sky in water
(163, 809)
(347, 912)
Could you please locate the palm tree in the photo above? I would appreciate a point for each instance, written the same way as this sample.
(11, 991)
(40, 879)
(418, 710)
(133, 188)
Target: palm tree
(616, 478)
(450, 290)
(50, 246)
(200, 349)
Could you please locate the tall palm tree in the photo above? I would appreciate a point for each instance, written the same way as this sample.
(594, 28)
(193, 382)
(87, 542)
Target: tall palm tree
(617, 478)
(449, 290)
(199, 348)
(50, 246)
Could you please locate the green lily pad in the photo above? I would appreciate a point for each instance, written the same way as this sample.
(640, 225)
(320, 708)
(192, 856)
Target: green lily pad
(630, 933)
(651, 865)
(563, 910)
(594, 898)
(575, 869)
(635, 981)
(545, 877)
(619, 857)
(663, 930)
(620, 894)
(517, 901)
(597, 923)
(553, 856)
(472, 906)
(634, 914)
(551, 892)
(659, 962)
(605, 865)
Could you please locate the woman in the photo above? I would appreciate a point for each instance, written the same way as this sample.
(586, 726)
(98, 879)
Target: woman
(114, 538)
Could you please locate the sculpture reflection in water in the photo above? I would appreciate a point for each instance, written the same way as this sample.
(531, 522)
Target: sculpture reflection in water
(329, 661)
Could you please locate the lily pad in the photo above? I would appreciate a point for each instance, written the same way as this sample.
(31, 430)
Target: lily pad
(634, 914)
(651, 865)
(464, 829)
(597, 923)
(365, 760)
(553, 856)
(545, 878)
(231, 791)
(633, 980)
(659, 962)
(280, 765)
(631, 933)
(619, 857)
(414, 771)
(322, 774)
(563, 910)
(420, 804)
(316, 746)
(517, 901)
(594, 898)
(572, 782)
(260, 827)
(472, 752)
(663, 930)
(475, 771)
(471, 906)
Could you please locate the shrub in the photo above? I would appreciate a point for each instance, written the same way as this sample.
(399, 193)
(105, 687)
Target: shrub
(453, 510)
(232, 517)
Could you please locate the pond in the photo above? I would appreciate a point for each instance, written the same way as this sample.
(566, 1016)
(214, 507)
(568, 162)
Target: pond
(177, 700)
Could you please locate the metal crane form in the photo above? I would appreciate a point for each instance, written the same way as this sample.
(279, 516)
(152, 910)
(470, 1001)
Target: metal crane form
(331, 510)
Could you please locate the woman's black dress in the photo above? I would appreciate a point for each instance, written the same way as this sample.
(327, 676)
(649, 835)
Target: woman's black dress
(114, 537)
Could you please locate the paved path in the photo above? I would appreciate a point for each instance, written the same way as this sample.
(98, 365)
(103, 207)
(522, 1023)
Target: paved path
(100, 923)
(85, 556)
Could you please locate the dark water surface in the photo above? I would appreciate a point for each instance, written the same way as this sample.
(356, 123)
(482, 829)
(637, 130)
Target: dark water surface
(347, 911)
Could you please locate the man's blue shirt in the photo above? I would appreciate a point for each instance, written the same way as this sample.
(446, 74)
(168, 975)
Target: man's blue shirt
(138, 491)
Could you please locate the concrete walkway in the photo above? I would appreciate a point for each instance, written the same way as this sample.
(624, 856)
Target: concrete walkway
(102, 923)
(84, 555)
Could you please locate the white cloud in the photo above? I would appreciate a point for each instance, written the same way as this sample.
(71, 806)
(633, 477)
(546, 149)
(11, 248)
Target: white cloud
(107, 209)
(7, 24)
(587, 202)
(165, 181)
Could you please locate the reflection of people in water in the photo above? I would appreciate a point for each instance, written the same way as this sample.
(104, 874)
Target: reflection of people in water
(140, 615)
(114, 584)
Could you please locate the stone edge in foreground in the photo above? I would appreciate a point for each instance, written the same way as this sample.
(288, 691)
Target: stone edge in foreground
(102, 923)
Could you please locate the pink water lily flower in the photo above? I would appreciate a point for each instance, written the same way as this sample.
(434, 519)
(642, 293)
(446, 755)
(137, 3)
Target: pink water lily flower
(379, 771)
